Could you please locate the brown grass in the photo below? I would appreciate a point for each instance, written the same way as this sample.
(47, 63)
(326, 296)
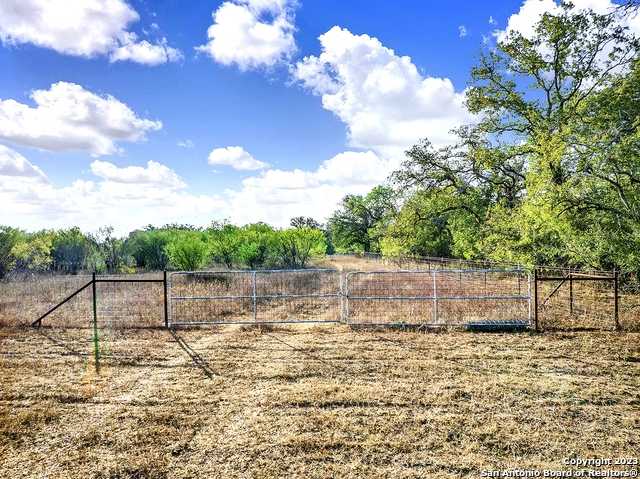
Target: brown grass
(312, 402)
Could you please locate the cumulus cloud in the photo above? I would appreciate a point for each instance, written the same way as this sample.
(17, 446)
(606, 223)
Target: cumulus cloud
(146, 53)
(68, 117)
(251, 33)
(236, 157)
(131, 197)
(186, 143)
(462, 31)
(155, 174)
(382, 98)
(126, 197)
(13, 164)
(278, 195)
(86, 28)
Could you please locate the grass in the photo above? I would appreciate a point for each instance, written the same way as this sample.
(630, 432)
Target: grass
(312, 402)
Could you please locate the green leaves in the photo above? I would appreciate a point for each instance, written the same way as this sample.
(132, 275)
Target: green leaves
(361, 221)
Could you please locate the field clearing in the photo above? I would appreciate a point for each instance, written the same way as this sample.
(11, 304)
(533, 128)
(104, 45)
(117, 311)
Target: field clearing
(312, 402)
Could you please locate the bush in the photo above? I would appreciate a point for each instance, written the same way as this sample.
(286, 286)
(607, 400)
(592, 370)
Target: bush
(188, 252)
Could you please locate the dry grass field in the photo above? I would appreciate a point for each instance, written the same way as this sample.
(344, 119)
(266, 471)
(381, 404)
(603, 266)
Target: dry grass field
(312, 402)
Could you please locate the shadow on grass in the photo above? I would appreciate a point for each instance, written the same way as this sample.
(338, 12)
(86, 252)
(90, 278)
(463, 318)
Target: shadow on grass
(198, 360)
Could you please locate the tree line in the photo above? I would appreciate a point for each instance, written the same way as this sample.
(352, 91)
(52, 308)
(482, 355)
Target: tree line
(178, 247)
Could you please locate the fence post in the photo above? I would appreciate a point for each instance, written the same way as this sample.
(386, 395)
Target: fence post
(254, 297)
(535, 297)
(570, 293)
(96, 349)
(485, 283)
(346, 297)
(615, 300)
(435, 298)
(529, 312)
(166, 304)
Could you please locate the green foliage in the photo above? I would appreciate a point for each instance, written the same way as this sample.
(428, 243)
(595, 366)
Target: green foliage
(188, 251)
(225, 243)
(9, 238)
(148, 248)
(550, 172)
(256, 247)
(304, 222)
(360, 221)
(70, 251)
(34, 252)
(296, 245)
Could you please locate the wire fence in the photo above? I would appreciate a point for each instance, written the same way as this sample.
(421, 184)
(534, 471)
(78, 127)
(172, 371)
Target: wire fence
(437, 294)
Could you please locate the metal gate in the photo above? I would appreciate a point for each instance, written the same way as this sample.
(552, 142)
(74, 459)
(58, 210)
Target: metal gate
(439, 298)
(248, 297)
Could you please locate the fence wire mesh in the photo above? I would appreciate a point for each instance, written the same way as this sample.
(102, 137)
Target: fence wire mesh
(123, 304)
(577, 300)
(25, 297)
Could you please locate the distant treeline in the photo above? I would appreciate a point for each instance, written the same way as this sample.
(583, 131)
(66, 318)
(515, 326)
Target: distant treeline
(178, 247)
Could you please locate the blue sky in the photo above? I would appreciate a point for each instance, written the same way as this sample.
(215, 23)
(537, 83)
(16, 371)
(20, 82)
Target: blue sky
(293, 135)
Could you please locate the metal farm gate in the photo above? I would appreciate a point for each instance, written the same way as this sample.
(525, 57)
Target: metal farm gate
(482, 298)
(248, 297)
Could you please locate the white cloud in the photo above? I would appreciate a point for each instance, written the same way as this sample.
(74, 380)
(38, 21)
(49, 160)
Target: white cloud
(68, 117)
(386, 104)
(155, 174)
(251, 33)
(278, 195)
(13, 164)
(236, 157)
(462, 31)
(80, 27)
(131, 197)
(146, 53)
(531, 11)
(492, 21)
(185, 143)
(127, 198)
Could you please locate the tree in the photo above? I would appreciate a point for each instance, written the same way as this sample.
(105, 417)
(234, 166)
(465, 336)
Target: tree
(257, 244)
(225, 242)
(305, 222)
(516, 172)
(295, 246)
(188, 251)
(109, 252)
(360, 221)
(33, 252)
(148, 247)
(9, 237)
(70, 250)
